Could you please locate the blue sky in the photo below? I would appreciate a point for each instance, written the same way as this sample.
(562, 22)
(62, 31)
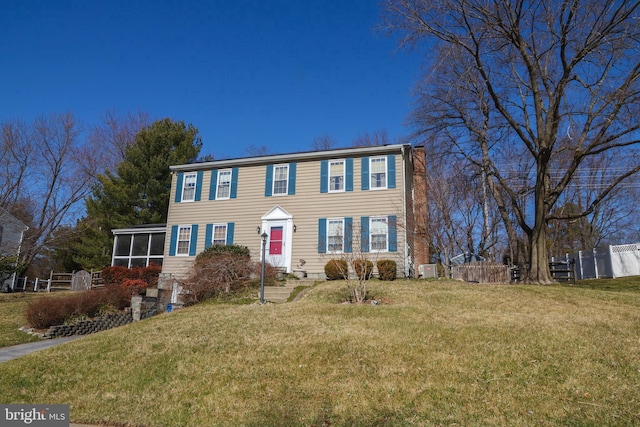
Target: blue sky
(277, 73)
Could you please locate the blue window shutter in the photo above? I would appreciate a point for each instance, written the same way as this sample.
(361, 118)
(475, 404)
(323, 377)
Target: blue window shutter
(324, 176)
(364, 234)
(230, 229)
(322, 235)
(348, 234)
(393, 233)
(391, 171)
(349, 175)
(292, 179)
(198, 186)
(174, 240)
(268, 182)
(208, 236)
(194, 240)
(179, 187)
(234, 184)
(214, 184)
(364, 173)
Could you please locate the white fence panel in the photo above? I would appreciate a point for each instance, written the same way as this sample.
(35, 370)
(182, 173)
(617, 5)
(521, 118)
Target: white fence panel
(625, 260)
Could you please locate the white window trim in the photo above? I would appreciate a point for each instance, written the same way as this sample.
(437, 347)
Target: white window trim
(371, 219)
(194, 176)
(180, 227)
(344, 175)
(386, 172)
(273, 180)
(219, 181)
(213, 232)
(329, 220)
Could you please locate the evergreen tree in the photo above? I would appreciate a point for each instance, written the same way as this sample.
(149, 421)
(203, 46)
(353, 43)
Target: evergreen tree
(138, 192)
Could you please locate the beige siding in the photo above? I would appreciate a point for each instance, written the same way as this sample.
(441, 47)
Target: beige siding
(306, 207)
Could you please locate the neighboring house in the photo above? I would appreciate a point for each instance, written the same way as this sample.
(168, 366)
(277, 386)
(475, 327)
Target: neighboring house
(313, 207)
(139, 245)
(11, 235)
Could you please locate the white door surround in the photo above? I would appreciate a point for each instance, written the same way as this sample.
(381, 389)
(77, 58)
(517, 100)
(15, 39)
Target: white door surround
(281, 222)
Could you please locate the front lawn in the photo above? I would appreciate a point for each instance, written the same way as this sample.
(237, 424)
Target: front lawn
(430, 353)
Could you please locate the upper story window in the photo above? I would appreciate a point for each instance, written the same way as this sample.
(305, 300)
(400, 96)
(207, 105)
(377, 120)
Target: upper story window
(189, 187)
(280, 179)
(378, 172)
(184, 240)
(224, 184)
(336, 175)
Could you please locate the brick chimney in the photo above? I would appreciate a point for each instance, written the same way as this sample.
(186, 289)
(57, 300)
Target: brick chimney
(420, 212)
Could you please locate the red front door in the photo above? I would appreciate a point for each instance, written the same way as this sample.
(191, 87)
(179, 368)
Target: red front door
(275, 241)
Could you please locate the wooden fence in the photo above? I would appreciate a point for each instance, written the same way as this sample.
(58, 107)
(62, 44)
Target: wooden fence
(482, 272)
(76, 281)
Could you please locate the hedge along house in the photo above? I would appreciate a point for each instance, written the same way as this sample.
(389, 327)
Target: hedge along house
(313, 207)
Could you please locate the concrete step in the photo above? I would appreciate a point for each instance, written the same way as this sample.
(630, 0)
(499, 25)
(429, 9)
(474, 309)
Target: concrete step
(278, 294)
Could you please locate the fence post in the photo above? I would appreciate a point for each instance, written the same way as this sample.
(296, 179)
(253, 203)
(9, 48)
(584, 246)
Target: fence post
(595, 262)
(35, 285)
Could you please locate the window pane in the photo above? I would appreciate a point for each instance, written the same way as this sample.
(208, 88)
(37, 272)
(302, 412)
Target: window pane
(121, 262)
(280, 179)
(138, 262)
(378, 172)
(219, 235)
(157, 244)
(140, 244)
(184, 236)
(123, 245)
(378, 231)
(156, 261)
(189, 189)
(224, 184)
(336, 176)
(335, 236)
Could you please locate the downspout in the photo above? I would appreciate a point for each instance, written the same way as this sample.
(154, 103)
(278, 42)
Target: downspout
(407, 259)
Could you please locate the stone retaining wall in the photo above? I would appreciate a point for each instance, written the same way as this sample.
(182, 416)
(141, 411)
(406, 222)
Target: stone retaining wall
(103, 323)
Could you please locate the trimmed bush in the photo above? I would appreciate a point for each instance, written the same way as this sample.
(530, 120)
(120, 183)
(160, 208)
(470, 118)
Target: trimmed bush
(217, 270)
(387, 269)
(123, 275)
(336, 269)
(363, 268)
(55, 310)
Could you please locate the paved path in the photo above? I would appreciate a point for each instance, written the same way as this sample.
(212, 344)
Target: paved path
(9, 353)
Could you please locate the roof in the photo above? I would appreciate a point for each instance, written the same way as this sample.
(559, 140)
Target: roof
(148, 228)
(304, 155)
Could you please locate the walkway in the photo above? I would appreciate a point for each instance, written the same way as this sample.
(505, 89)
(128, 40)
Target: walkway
(13, 352)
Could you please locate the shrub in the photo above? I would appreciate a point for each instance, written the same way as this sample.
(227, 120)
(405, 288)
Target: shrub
(222, 270)
(119, 275)
(363, 268)
(336, 269)
(387, 269)
(56, 310)
(135, 286)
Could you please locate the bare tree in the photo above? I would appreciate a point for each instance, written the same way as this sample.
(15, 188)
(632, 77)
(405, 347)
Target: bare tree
(109, 140)
(366, 139)
(323, 142)
(553, 77)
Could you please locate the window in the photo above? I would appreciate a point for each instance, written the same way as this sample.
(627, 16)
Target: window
(189, 187)
(224, 184)
(138, 249)
(378, 172)
(280, 179)
(336, 175)
(335, 235)
(219, 236)
(184, 239)
(379, 234)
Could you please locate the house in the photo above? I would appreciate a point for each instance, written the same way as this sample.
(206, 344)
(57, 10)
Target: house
(311, 207)
(11, 236)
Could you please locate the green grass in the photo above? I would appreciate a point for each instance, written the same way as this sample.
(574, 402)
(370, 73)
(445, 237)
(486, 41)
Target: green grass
(432, 353)
(12, 309)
